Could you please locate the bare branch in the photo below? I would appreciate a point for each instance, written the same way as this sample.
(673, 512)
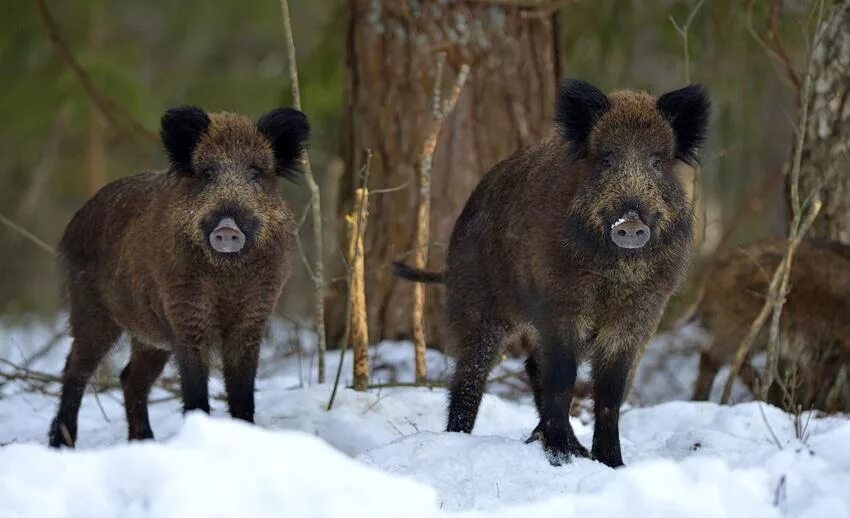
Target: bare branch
(27, 234)
(105, 104)
(318, 271)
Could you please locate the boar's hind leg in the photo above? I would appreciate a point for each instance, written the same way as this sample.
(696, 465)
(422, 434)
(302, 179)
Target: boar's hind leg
(240, 372)
(557, 365)
(705, 377)
(94, 334)
(145, 366)
(533, 371)
(194, 377)
(609, 382)
(475, 355)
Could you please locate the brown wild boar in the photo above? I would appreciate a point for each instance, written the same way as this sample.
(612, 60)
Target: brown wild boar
(185, 260)
(573, 246)
(815, 324)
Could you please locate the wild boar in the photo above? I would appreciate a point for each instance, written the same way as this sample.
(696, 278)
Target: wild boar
(574, 246)
(814, 328)
(187, 260)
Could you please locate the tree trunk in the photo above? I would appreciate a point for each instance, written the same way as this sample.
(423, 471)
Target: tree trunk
(506, 104)
(828, 131)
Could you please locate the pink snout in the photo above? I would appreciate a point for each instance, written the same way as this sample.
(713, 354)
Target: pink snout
(630, 231)
(226, 237)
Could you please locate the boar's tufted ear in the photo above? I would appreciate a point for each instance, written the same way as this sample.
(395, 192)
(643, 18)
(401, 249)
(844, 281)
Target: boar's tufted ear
(180, 130)
(580, 105)
(688, 111)
(287, 130)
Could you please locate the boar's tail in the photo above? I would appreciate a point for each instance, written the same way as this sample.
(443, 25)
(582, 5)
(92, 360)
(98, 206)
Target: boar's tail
(416, 275)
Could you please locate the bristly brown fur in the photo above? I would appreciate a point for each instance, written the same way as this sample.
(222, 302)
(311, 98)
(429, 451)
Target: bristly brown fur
(138, 260)
(815, 325)
(531, 257)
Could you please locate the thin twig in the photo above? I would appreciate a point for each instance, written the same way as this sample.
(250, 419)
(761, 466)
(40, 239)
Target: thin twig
(364, 175)
(105, 104)
(440, 110)
(778, 288)
(683, 33)
(318, 271)
(27, 234)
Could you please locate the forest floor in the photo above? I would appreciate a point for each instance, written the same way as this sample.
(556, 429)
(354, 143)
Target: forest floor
(383, 453)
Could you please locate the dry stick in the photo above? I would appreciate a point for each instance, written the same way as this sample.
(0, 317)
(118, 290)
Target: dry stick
(27, 234)
(367, 169)
(683, 33)
(105, 104)
(315, 201)
(357, 290)
(440, 110)
(777, 290)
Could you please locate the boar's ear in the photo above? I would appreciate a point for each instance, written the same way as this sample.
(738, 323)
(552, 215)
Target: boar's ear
(580, 105)
(180, 130)
(287, 131)
(687, 110)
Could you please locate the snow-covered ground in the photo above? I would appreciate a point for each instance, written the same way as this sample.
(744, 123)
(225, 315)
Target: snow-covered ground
(383, 452)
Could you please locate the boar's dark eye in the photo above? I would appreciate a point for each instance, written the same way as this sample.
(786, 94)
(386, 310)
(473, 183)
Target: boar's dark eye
(655, 161)
(254, 173)
(609, 161)
(208, 173)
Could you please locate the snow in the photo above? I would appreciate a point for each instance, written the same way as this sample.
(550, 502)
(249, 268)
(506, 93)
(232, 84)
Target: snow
(383, 452)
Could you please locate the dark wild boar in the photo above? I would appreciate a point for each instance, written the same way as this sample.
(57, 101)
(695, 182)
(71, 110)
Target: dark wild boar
(814, 329)
(188, 260)
(574, 247)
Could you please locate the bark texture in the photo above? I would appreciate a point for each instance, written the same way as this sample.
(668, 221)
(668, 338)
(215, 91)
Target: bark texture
(506, 104)
(828, 131)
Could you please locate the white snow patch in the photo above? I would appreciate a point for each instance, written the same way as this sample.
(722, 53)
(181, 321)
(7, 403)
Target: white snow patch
(383, 452)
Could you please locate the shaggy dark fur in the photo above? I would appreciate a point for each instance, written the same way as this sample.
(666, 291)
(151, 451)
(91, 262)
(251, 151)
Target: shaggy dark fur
(533, 256)
(140, 258)
(815, 325)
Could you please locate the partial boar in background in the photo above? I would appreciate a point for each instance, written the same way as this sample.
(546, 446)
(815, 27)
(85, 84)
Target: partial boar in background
(814, 329)
(185, 260)
(573, 246)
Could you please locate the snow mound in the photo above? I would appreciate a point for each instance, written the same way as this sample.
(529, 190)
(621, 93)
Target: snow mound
(213, 467)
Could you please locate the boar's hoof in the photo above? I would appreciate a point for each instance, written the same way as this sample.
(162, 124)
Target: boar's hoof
(559, 454)
(227, 238)
(630, 232)
(59, 435)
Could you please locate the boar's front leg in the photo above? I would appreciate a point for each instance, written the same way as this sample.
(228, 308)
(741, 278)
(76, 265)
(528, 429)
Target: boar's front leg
(145, 365)
(557, 364)
(194, 377)
(189, 315)
(240, 359)
(609, 383)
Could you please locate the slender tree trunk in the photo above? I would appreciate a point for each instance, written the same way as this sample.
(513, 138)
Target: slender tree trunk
(828, 131)
(507, 103)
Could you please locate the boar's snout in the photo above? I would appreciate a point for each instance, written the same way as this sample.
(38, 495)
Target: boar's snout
(227, 237)
(630, 231)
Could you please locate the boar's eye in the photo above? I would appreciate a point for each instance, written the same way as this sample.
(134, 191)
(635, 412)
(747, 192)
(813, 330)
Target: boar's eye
(254, 173)
(609, 161)
(208, 173)
(655, 161)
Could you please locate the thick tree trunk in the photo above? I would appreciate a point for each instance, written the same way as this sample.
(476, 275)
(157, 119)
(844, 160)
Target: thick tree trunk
(828, 132)
(506, 104)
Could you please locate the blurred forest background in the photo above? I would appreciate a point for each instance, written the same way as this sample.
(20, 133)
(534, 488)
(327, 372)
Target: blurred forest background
(56, 149)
